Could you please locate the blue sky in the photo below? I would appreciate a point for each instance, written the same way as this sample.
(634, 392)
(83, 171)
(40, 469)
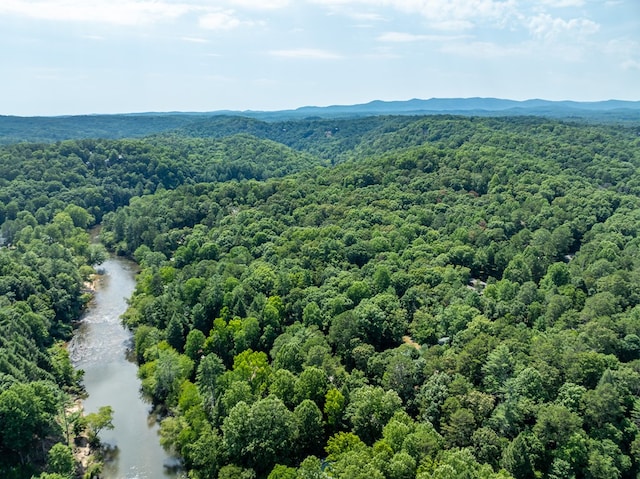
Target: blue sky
(114, 56)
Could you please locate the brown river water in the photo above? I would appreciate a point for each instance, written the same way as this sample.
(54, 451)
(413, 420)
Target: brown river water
(101, 347)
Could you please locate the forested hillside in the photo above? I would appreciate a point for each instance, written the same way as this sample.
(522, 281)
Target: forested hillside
(14, 129)
(457, 299)
(49, 196)
(102, 175)
(41, 281)
(415, 297)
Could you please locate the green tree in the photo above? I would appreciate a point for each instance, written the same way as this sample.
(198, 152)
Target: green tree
(210, 369)
(369, 410)
(310, 468)
(283, 384)
(308, 419)
(61, 461)
(401, 466)
(498, 368)
(195, 344)
(312, 384)
(99, 421)
(252, 367)
(312, 315)
(162, 377)
(261, 435)
(231, 471)
(282, 472)
(334, 407)
(459, 428)
(460, 464)
(521, 455)
(27, 412)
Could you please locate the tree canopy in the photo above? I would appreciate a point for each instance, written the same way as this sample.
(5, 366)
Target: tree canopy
(415, 297)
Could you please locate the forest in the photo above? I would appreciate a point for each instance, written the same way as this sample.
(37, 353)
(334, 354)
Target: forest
(382, 297)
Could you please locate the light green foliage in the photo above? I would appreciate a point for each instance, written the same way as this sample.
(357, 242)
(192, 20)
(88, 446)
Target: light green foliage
(283, 384)
(312, 315)
(401, 466)
(334, 407)
(460, 464)
(310, 468)
(61, 365)
(252, 367)
(478, 276)
(498, 369)
(231, 471)
(311, 384)
(52, 475)
(61, 460)
(162, 377)
(342, 443)
(369, 410)
(397, 430)
(98, 421)
(282, 472)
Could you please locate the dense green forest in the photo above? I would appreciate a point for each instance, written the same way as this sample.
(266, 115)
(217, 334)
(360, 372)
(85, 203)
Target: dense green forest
(384, 297)
(41, 278)
(15, 129)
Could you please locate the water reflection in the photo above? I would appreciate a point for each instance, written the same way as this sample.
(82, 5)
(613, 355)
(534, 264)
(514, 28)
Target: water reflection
(100, 347)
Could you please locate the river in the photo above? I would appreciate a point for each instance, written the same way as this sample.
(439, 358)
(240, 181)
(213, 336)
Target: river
(100, 347)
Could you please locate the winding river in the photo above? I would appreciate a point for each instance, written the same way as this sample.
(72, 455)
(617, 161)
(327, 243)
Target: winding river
(100, 347)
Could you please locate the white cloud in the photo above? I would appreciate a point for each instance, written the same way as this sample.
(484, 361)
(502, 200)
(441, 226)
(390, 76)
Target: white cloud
(366, 16)
(442, 14)
(621, 46)
(306, 53)
(135, 12)
(563, 3)
(261, 4)
(219, 21)
(483, 50)
(98, 38)
(624, 51)
(403, 37)
(194, 40)
(547, 27)
(118, 12)
(631, 65)
(383, 53)
(355, 14)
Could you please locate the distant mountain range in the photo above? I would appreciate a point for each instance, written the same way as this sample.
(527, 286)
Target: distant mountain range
(46, 129)
(470, 106)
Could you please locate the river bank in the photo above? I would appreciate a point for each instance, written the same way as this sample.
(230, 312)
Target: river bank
(100, 348)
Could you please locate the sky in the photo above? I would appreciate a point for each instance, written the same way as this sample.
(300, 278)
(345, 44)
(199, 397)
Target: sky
(64, 57)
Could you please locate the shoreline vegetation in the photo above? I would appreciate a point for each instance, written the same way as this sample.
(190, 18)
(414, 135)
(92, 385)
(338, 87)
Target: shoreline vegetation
(84, 455)
(87, 449)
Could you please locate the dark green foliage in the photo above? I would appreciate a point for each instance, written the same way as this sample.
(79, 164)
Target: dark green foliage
(261, 435)
(476, 274)
(453, 297)
(27, 413)
(61, 460)
(41, 283)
